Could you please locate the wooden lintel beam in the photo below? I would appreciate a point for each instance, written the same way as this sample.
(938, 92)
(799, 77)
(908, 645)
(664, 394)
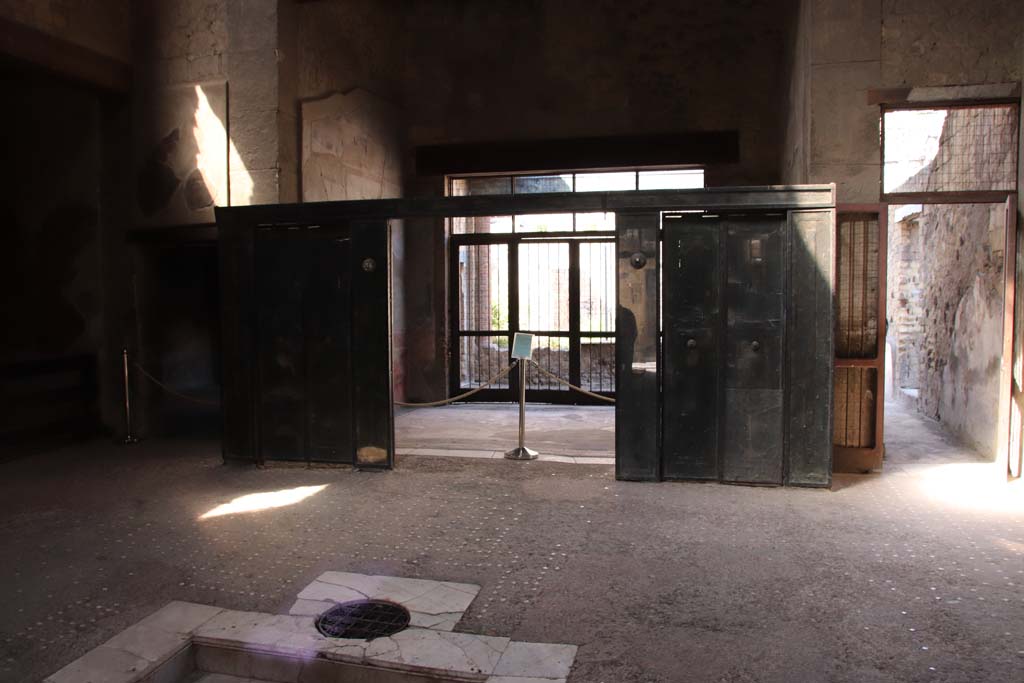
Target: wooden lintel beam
(62, 58)
(593, 153)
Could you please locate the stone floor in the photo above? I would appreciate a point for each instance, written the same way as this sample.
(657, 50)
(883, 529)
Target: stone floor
(914, 574)
(587, 431)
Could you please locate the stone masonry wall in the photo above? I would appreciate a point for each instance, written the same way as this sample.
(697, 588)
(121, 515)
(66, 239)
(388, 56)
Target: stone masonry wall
(905, 301)
(960, 317)
(245, 50)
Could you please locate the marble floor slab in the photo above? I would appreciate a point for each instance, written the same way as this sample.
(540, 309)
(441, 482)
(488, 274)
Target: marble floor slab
(437, 605)
(231, 646)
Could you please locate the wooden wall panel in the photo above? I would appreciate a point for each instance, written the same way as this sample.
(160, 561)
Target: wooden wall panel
(857, 300)
(236, 254)
(856, 405)
(860, 338)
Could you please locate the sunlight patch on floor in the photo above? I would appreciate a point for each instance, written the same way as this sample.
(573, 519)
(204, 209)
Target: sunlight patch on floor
(266, 500)
(971, 485)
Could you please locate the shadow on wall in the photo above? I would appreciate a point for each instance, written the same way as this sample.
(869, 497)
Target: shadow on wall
(185, 161)
(42, 316)
(49, 266)
(185, 165)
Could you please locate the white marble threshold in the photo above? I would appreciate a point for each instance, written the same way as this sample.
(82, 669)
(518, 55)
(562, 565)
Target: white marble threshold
(181, 639)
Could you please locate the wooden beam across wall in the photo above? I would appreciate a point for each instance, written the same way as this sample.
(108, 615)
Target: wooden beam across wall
(708, 199)
(63, 58)
(611, 152)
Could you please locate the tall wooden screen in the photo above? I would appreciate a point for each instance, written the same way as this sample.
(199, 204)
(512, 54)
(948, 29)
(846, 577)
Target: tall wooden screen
(861, 240)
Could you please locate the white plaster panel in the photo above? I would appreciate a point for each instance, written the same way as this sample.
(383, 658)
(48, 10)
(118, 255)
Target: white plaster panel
(350, 148)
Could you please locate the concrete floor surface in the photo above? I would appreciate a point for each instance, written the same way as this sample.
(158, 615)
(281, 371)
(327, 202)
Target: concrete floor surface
(916, 574)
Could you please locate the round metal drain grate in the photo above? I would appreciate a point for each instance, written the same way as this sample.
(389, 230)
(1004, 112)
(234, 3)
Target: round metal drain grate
(363, 619)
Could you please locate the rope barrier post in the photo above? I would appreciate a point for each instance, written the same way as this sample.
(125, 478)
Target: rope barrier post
(129, 438)
(521, 452)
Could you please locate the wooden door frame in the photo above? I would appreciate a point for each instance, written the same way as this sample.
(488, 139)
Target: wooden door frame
(1006, 389)
(862, 460)
(847, 458)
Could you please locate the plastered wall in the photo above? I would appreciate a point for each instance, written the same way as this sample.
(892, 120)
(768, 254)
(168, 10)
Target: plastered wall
(863, 44)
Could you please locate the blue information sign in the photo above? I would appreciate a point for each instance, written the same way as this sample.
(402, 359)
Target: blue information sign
(522, 345)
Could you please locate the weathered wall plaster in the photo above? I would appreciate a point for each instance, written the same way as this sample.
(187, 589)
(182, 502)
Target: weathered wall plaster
(963, 327)
(181, 154)
(250, 44)
(905, 301)
(844, 128)
(795, 159)
(864, 44)
(947, 42)
(969, 399)
(351, 148)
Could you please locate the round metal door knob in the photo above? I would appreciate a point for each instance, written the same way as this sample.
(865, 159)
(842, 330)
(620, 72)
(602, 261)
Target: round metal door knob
(369, 265)
(691, 344)
(638, 260)
(756, 346)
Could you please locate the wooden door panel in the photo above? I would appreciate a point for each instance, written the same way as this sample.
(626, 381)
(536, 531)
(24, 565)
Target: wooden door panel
(752, 449)
(691, 348)
(1011, 397)
(282, 265)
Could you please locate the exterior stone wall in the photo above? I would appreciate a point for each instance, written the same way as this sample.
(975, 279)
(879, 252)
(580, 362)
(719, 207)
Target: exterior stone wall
(945, 323)
(905, 301)
(946, 288)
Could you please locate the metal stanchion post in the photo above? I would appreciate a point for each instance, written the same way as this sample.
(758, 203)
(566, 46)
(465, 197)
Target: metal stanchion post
(521, 452)
(129, 437)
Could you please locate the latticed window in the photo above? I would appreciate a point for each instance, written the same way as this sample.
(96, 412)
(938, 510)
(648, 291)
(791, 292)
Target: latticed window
(949, 150)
